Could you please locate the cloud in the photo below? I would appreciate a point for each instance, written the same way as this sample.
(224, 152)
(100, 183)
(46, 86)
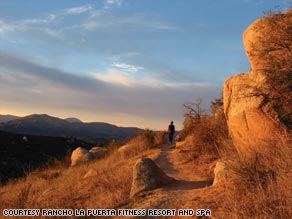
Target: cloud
(28, 86)
(78, 10)
(44, 24)
(47, 19)
(10, 27)
(52, 33)
(114, 76)
(29, 26)
(112, 3)
(54, 16)
(20, 66)
(142, 22)
(125, 78)
(90, 25)
(128, 68)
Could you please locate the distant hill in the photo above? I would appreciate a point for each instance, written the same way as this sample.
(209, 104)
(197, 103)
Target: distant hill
(22, 153)
(45, 125)
(7, 118)
(72, 120)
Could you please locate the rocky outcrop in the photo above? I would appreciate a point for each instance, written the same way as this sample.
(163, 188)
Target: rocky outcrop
(80, 155)
(251, 119)
(264, 35)
(220, 172)
(147, 176)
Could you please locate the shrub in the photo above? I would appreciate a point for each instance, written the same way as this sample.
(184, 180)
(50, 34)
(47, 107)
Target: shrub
(142, 142)
(208, 131)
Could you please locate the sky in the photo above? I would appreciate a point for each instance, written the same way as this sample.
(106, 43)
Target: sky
(125, 62)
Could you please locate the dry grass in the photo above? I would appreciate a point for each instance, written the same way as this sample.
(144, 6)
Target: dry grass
(142, 143)
(260, 188)
(104, 183)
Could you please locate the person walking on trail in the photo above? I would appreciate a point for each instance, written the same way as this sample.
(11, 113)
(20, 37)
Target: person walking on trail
(171, 131)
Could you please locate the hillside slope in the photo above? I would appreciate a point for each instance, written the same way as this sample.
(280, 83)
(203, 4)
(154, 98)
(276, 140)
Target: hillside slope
(106, 183)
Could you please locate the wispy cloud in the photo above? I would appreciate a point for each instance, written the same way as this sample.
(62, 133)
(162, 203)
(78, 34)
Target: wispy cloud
(23, 26)
(52, 33)
(78, 10)
(127, 67)
(112, 3)
(6, 27)
(47, 19)
(53, 25)
(44, 24)
(125, 78)
(114, 76)
(141, 22)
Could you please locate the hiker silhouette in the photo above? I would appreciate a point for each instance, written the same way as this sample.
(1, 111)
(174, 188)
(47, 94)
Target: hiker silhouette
(171, 131)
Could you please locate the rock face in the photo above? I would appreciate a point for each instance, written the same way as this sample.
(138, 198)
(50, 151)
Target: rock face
(250, 120)
(80, 155)
(250, 116)
(220, 172)
(148, 176)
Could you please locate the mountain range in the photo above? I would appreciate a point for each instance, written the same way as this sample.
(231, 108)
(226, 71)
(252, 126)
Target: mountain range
(46, 125)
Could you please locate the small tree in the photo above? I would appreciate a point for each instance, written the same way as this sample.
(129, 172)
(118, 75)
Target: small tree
(193, 115)
(206, 130)
(216, 104)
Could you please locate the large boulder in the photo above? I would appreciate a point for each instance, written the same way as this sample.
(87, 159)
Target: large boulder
(147, 176)
(251, 118)
(80, 155)
(264, 35)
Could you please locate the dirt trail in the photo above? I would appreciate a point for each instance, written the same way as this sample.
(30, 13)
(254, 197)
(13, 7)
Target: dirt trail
(186, 179)
(191, 190)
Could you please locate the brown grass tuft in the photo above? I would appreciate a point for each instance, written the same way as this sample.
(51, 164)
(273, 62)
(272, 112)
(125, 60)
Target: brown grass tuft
(260, 188)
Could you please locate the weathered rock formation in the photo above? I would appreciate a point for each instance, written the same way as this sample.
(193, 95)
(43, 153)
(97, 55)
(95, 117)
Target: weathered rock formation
(147, 176)
(220, 172)
(80, 155)
(252, 121)
(265, 37)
